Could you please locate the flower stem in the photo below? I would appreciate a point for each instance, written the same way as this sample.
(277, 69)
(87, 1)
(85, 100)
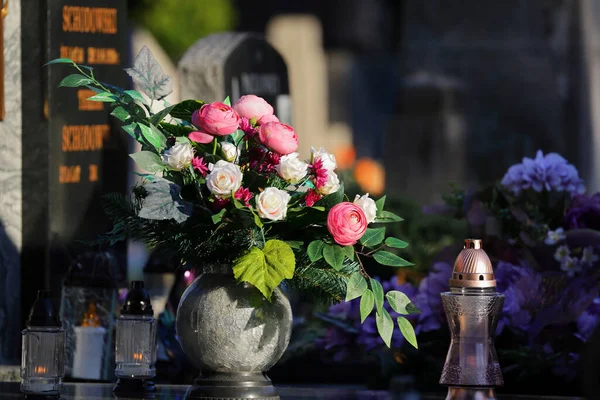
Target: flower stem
(215, 146)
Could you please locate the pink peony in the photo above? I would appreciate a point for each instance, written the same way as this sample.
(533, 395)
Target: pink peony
(251, 106)
(216, 119)
(267, 118)
(347, 223)
(278, 137)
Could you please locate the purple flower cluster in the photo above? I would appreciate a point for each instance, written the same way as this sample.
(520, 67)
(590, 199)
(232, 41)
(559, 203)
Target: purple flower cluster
(550, 172)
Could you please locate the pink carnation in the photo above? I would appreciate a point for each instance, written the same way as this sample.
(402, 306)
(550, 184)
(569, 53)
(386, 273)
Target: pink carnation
(244, 195)
(312, 196)
(199, 165)
(320, 173)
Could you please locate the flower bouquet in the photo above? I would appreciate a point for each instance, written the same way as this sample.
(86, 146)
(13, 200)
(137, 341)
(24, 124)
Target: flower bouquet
(224, 185)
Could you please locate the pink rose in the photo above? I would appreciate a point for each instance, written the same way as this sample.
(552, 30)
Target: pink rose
(347, 223)
(267, 118)
(216, 119)
(278, 137)
(251, 106)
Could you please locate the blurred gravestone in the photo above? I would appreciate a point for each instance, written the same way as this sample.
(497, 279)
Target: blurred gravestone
(235, 64)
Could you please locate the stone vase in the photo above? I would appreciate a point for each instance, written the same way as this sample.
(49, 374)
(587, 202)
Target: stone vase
(233, 335)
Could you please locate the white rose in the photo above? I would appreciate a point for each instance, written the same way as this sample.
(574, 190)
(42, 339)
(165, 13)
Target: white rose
(328, 159)
(331, 185)
(224, 178)
(179, 156)
(368, 206)
(291, 168)
(272, 203)
(230, 151)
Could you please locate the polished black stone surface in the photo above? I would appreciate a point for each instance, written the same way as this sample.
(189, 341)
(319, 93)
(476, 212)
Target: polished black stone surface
(92, 391)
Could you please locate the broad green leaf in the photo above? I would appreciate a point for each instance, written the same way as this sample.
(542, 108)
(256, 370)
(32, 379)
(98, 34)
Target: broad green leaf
(386, 217)
(386, 258)
(408, 331)
(131, 130)
(396, 243)
(135, 95)
(120, 114)
(334, 255)
(60, 61)
(235, 137)
(148, 161)
(75, 80)
(176, 130)
(356, 286)
(216, 218)
(159, 116)
(373, 237)
(315, 250)
(380, 203)
(105, 97)
(366, 305)
(412, 309)
(349, 252)
(378, 293)
(398, 301)
(332, 199)
(257, 220)
(295, 244)
(385, 326)
(184, 109)
(227, 101)
(265, 269)
(148, 74)
(153, 136)
(163, 201)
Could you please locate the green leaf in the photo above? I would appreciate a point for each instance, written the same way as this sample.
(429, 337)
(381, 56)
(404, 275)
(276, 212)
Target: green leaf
(148, 74)
(373, 237)
(105, 97)
(216, 218)
(386, 258)
(366, 305)
(408, 331)
(60, 61)
(396, 243)
(378, 292)
(148, 161)
(385, 326)
(176, 130)
(120, 114)
(356, 286)
(159, 116)
(130, 129)
(163, 201)
(265, 269)
(184, 109)
(135, 95)
(349, 252)
(398, 301)
(387, 217)
(227, 101)
(332, 199)
(75, 80)
(334, 255)
(295, 244)
(235, 137)
(315, 250)
(153, 136)
(412, 309)
(257, 220)
(379, 204)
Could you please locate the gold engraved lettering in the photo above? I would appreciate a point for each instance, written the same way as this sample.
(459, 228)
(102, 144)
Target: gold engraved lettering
(89, 19)
(84, 137)
(93, 172)
(69, 174)
(99, 55)
(87, 105)
(75, 53)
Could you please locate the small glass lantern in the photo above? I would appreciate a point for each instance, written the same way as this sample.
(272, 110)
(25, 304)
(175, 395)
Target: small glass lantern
(43, 351)
(136, 343)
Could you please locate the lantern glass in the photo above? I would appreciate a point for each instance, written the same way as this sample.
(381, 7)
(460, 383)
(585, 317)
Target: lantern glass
(43, 360)
(136, 346)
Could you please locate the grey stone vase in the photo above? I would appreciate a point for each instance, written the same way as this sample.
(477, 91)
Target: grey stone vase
(233, 335)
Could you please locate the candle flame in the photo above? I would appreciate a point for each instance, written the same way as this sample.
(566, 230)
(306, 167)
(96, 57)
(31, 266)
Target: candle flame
(91, 318)
(138, 356)
(40, 370)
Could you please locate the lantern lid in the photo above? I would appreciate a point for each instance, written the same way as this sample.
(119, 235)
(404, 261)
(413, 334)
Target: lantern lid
(137, 301)
(43, 313)
(472, 268)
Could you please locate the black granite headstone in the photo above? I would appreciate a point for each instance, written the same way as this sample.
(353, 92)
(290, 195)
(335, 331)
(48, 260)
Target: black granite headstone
(235, 64)
(73, 152)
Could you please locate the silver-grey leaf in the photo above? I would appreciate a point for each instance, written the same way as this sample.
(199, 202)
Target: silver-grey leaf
(148, 74)
(164, 202)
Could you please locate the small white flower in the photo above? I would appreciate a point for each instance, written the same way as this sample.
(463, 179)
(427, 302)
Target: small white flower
(368, 206)
(230, 151)
(332, 184)
(553, 237)
(588, 257)
(224, 178)
(328, 159)
(291, 168)
(179, 156)
(561, 253)
(570, 265)
(272, 203)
